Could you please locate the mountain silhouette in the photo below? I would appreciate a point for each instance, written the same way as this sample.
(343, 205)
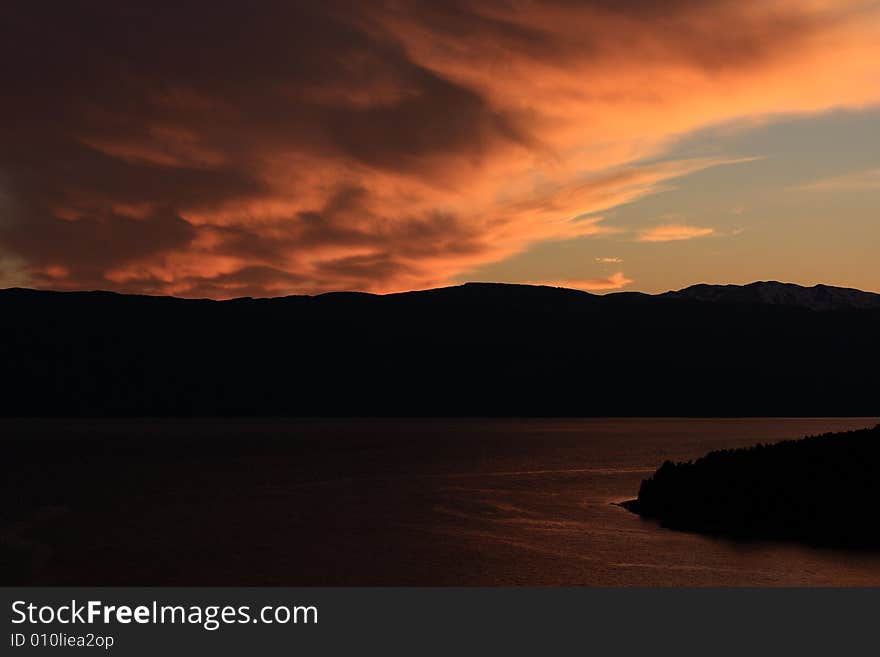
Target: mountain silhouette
(473, 349)
(818, 297)
(822, 490)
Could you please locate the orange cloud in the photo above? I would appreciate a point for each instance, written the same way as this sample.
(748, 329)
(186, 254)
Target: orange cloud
(382, 147)
(673, 233)
(614, 282)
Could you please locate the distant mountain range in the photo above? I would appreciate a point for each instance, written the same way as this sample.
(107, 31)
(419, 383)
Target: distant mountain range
(818, 297)
(473, 349)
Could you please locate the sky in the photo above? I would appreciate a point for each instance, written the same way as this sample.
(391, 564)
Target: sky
(224, 149)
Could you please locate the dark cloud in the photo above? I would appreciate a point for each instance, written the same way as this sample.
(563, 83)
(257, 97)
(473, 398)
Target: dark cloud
(79, 253)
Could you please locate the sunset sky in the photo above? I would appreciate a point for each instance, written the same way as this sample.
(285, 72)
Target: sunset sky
(225, 149)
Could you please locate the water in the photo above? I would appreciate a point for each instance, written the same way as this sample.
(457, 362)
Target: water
(400, 502)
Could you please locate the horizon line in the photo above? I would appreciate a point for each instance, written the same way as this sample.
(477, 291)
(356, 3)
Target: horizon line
(442, 287)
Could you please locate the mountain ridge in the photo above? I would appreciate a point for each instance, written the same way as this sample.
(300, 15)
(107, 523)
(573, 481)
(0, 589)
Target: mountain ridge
(469, 350)
(818, 297)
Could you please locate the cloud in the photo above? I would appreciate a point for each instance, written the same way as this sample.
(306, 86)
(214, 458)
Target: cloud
(853, 181)
(210, 149)
(673, 233)
(614, 282)
(609, 260)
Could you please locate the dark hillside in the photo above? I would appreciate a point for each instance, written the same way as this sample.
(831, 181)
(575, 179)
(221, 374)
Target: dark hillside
(823, 490)
(476, 349)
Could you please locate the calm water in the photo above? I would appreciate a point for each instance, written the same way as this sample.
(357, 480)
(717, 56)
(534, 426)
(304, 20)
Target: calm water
(452, 502)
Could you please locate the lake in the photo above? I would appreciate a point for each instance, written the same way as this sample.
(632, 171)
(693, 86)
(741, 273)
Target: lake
(379, 502)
